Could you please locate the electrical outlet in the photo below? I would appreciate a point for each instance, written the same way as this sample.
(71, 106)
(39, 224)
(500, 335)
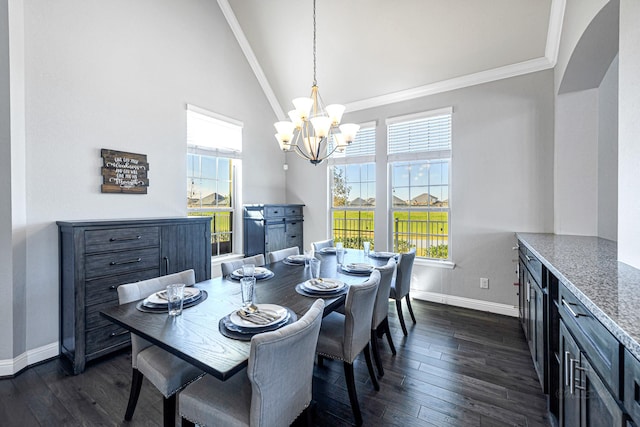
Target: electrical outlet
(484, 283)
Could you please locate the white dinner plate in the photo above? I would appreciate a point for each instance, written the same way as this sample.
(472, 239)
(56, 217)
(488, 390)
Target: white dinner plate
(257, 272)
(382, 254)
(311, 285)
(358, 267)
(189, 295)
(299, 259)
(280, 311)
(329, 250)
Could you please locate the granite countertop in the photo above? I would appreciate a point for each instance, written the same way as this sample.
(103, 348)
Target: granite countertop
(589, 268)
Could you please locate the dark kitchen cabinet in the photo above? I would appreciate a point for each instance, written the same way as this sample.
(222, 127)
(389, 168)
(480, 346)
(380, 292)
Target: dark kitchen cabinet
(98, 256)
(269, 228)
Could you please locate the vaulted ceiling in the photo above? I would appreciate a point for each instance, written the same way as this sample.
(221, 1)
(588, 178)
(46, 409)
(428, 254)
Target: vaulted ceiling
(374, 52)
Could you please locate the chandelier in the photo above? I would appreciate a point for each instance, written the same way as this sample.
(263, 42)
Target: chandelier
(315, 132)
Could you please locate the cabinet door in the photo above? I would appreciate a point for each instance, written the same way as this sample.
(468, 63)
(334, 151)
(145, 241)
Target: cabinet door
(184, 246)
(275, 238)
(522, 289)
(569, 394)
(599, 408)
(539, 335)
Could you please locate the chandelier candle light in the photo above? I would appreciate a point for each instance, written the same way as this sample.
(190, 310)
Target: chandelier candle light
(313, 125)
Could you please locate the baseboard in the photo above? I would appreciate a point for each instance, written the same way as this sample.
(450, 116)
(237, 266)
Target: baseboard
(10, 367)
(475, 304)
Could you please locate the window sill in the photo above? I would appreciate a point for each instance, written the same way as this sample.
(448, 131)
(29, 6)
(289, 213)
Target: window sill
(435, 263)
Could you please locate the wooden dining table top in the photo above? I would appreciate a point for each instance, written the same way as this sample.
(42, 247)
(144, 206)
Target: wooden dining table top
(194, 335)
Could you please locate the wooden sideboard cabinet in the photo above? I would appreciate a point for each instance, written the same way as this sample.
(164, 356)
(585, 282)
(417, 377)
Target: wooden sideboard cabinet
(268, 228)
(98, 256)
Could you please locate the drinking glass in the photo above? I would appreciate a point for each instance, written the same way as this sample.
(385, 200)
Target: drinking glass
(339, 245)
(175, 299)
(248, 270)
(314, 264)
(247, 286)
(340, 255)
(307, 256)
(367, 247)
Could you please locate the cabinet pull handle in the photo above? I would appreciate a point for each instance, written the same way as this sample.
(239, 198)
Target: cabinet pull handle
(527, 257)
(528, 291)
(515, 248)
(293, 237)
(131, 261)
(124, 239)
(166, 265)
(567, 357)
(117, 334)
(113, 287)
(572, 376)
(576, 367)
(570, 310)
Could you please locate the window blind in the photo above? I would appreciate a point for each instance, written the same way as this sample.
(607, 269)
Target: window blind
(420, 135)
(363, 147)
(212, 136)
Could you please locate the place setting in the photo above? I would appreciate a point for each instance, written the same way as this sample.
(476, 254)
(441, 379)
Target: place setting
(357, 268)
(382, 255)
(320, 286)
(172, 300)
(296, 260)
(252, 318)
(249, 270)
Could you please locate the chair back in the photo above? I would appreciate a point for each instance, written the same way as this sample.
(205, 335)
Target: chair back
(281, 370)
(358, 311)
(403, 276)
(229, 267)
(381, 307)
(322, 244)
(276, 256)
(136, 291)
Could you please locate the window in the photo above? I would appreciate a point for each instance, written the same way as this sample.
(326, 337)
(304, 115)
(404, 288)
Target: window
(214, 145)
(419, 155)
(353, 190)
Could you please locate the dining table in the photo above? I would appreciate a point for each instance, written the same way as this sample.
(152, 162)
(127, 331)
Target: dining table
(195, 335)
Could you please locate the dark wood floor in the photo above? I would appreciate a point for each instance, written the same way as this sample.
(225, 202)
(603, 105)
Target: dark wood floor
(457, 367)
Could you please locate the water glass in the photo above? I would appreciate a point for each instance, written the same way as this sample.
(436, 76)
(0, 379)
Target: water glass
(340, 255)
(367, 247)
(175, 299)
(307, 256)
(247, 287)
(248, 270)
(314, 264)
(339, 245)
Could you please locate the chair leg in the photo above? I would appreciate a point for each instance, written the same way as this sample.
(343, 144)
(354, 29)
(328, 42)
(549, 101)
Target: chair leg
(376, 352)
(410, 308)
(136, 385)
(169, 410)
(187, 423)
(353, 397)
(372, 374)
(400, 317)
(387, 331)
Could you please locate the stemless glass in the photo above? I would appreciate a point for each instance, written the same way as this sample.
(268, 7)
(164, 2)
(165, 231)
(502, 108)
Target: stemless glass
(248, 270)
(175, 299)
(248, 286)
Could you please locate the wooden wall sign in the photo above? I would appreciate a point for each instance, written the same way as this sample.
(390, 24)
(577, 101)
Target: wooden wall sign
(124, 172)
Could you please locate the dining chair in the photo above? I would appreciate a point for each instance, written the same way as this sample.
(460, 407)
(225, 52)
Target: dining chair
(229, 267)
(277, 386)
(276, 256)
(166, 372)
(380, 319)
(322, 244)
(344, 336)
(402, 285)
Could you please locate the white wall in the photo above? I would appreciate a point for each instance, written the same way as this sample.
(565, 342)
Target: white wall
(629, 129)
(118, 75)
(608, 154)
(502, 181)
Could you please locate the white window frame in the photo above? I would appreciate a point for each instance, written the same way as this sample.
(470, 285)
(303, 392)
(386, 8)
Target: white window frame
(226, 151)
(420, 155)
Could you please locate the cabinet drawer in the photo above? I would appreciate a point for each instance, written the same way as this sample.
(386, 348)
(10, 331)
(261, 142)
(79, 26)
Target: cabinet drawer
(113, 239)
(121, 262)
(533, 265)
(294, 229)
(293, 211)
(632, 386)
(104, 289)
(103, 338)
(274, 211)
(600, 347)
(93, 318)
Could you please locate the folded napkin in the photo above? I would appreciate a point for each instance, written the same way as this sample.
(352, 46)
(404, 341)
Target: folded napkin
(259, 317)
(360, 266)
(321, 284)
(188, 293)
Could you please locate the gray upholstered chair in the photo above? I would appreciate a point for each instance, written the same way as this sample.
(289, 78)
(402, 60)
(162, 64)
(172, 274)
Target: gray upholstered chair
(345, 336)
(322, 244)
(380, 320)
(166, 372)
(229, 267)
(276, 388)
(276, 256)
(402, 285)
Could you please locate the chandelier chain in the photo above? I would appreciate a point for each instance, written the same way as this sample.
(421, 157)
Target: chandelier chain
(315, 82)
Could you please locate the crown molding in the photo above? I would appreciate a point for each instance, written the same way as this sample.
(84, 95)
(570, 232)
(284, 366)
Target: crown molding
(554, 31)
(251, 57)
